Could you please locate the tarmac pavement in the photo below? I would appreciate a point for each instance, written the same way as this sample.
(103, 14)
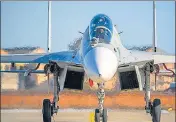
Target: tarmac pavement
(83, 115)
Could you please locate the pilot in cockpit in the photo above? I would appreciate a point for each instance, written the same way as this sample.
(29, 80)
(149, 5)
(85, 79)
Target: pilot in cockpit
(100, 29)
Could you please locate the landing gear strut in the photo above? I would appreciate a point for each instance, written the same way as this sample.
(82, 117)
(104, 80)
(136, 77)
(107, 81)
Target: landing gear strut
(101, 112)
(153, 108)
(49, 108)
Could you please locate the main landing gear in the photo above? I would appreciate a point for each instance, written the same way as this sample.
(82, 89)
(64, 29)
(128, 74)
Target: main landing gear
(49, 108)
(153, 108)
(101, 112)
(101, 115)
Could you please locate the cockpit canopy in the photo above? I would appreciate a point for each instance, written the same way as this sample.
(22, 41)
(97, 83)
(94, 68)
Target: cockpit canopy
(101, 29)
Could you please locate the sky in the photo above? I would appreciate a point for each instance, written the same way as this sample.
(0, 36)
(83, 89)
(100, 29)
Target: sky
(25, 23)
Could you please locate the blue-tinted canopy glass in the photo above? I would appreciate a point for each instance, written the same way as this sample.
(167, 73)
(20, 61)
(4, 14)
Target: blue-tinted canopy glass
(101, 28)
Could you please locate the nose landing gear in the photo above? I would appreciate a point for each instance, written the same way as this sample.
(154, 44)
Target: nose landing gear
(101, 112)
(102, 117)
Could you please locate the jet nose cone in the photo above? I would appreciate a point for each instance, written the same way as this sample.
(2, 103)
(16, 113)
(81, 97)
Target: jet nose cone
(100, 63)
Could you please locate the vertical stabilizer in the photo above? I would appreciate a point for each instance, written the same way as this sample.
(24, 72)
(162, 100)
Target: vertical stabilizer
(49, 28)
(118, 44)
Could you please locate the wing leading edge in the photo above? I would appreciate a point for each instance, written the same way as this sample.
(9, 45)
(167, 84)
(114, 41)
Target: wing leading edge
(138, 57)
(65, 57)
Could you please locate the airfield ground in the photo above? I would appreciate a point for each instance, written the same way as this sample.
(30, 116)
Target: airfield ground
(31, 100)
(70, 115)
(123, 107)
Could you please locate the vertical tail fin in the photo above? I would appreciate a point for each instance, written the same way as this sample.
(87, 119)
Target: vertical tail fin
(118, 43)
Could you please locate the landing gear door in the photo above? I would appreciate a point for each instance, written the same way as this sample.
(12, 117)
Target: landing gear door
(62, 77)
(140, 77)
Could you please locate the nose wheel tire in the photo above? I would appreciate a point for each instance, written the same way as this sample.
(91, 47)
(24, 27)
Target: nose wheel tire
(46, 110)
(98, 115)
(105, 116)
(156, 110)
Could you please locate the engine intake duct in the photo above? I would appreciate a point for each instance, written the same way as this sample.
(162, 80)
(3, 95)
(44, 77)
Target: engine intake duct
(74, 80)
(128, 78)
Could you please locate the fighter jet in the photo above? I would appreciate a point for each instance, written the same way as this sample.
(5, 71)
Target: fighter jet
(100, 57)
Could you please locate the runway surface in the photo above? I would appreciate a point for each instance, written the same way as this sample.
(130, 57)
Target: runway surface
(83, 115)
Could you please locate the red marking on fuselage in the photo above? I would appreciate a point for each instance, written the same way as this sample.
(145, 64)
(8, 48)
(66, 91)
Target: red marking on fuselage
(90, 82)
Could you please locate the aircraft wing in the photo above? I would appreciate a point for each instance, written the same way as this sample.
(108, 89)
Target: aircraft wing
(61, 58)
(21, 58)
(139, 57)
(22, 71)
(163, 59)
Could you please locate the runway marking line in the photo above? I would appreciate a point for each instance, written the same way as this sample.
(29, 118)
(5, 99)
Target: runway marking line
(92, 117)
(170, 109)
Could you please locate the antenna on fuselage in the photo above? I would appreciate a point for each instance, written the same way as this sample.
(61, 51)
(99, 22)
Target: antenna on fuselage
(80, 32)
(49, 28)
(120, 32)
(117, 29)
